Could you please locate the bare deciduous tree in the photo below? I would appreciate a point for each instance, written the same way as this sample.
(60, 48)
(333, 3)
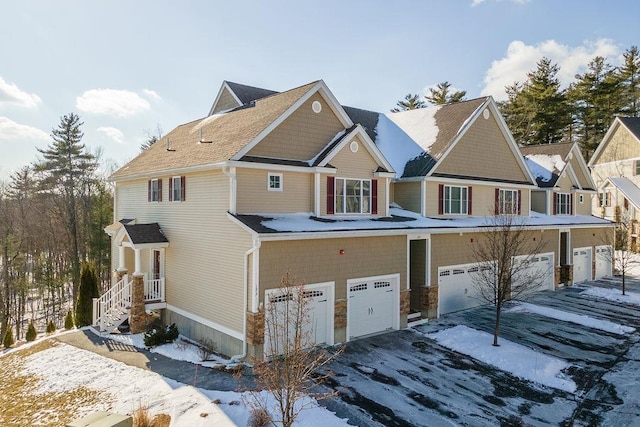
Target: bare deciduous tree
(292, 361)
(623, 257)
(505, 254)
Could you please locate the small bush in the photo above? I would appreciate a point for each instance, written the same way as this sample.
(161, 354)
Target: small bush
(31, 332)
(68, 321)
(51, 327)
(259, 417)
(141, 418)
(161, 336)
(8, 338)
(206, 348)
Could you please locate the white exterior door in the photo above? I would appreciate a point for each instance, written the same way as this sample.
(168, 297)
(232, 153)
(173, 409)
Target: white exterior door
(540, 271)
(581, 264)
(373, 305)
(456, 290)
(604, 258)
(316, 321)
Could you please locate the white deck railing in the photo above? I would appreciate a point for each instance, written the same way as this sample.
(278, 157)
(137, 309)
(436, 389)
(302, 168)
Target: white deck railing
(116, 299)
(154, 290)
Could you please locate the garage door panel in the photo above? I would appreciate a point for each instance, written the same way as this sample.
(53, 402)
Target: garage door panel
(372, 305)
(456, 290)
(604, 258)
(581, 264)
(538, 273)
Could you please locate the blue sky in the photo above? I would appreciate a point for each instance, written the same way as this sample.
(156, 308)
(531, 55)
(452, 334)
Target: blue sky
(127, 66)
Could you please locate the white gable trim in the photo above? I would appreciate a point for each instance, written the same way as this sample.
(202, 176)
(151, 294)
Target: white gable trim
(319, 87)
(222, 88)
(583, 165)
(472, 182)
(368, 143)
(568, 169)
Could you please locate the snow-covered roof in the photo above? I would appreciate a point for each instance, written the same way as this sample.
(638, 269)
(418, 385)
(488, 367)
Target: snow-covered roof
(545, 168)
(399, 219)
(628, 188)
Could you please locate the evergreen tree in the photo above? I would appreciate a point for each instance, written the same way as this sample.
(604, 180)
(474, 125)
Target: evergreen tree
(516, 113)
(87, 292)
(31, 332)
(51, 327)
(65, 166)
(629, 76)
(8, 338)
(152, 137)
(68, 321)
(441, 94)
(410, 102)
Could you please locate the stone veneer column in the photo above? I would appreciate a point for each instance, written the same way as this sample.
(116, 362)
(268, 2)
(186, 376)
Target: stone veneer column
(430, 300)
(255, 328)
(137, 320)
(340, 314)
(405, 305)
(120, 274)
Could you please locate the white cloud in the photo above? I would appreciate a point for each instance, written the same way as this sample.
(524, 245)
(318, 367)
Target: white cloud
(111, 102)
(522, 58)
(10, 93)
(151, 94)
(11, 131)
(113, 133)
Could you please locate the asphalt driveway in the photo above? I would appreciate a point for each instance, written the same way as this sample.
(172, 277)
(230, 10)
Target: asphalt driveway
(404, 378)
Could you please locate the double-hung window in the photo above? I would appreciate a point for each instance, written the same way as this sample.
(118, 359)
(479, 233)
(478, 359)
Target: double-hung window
(508, 202)
(563, 204)
(154, 190)
(636, 167)
(455, 200)
(353, 195)
(177, 189)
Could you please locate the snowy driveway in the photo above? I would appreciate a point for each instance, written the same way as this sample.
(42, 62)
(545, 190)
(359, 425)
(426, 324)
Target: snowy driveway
(406, 378)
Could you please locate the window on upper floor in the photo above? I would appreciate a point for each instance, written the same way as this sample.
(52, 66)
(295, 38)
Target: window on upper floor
(563, 202)
(605, 199)
(274, 181)
(177, 189)
(581, 198)
(154, 190)
(455, 200)
(508, 202)
(636, 167)
(345, 195)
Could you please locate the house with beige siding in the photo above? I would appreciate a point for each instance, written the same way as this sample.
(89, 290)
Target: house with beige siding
(375, 213)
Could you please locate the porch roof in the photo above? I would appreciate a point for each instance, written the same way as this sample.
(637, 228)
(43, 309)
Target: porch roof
(145, 233)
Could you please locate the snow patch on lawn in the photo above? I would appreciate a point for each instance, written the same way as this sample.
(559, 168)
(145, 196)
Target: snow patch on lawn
(589, 322)
(612, 295)
(514, 358)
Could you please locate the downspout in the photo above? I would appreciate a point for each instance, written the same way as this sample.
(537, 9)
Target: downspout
(254, 249)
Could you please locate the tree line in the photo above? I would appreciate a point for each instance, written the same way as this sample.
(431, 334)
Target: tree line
(540, 111)
(52, 218)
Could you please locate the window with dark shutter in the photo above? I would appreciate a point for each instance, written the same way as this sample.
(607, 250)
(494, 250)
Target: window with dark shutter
(469, 203)
(149, 191)
(555, 203)
(159, 190)
(440, 198)
(171, 189)
(330, 194)
(519, 202)
(374, 196)
(496, 208)
(183, 188)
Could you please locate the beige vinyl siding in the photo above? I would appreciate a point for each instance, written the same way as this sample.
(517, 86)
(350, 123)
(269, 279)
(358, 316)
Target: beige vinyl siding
(253, 195)
(453, 249)
(204, 262)
(302, 135)
(479, 151)
(582, 179)
(621, 146)
(407, 195)
(583, 208)
(225, 102)
(589, 237)
(483, 198)
(319, 260)
(564, 184)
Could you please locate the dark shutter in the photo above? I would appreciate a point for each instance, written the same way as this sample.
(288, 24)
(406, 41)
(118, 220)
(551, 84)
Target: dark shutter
(519, 202)
(440, 199)
(374, 196)
(555, 203)
(469, 201)
(571, 204)
(330, 194)
(159, 190)
(496, 207)
(149, 191)
(171, 189)
(183, 188)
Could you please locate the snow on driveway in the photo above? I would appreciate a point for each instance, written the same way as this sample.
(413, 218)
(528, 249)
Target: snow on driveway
(613, 295)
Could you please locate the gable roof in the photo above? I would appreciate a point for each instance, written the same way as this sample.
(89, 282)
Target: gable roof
(632, 124)
(628, 188)
(246, 93)
(215, 138)
(549, 162)
(145, 233)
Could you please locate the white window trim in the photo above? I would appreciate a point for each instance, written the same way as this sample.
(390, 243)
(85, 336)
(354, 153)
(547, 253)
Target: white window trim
(501, 201)
(581, 198)
(155, 192)
(280, 178)
(447, 202)
(567, 204)
(173, 188)
(344, 196)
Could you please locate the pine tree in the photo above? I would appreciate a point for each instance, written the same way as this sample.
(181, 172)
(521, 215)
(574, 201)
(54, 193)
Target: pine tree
(88, 290)
(65, 167)
(31, 332)
(629, 76)
(51, 327)
(8, 338)
(68, 321)
(410, 102)
(441, 94)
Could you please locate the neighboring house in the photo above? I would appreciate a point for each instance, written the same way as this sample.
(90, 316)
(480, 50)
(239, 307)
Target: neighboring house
(375, 213)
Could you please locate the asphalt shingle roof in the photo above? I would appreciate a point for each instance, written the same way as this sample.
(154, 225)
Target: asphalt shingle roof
(145, 233)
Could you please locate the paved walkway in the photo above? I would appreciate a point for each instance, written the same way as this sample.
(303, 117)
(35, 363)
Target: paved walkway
(184, 372)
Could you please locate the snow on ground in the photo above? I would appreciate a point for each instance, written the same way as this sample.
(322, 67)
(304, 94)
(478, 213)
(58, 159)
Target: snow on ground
(613, 295)
(590, 322)
(514, 358)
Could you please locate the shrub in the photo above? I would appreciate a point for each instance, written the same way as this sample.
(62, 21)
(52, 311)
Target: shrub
(259, 417)
(68, 321)
(161, 336)
(31, 332)
(206, 347)
(87, 291)
(51, 327)
(8, 338)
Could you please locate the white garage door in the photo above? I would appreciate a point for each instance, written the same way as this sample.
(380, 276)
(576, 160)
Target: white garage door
(281, 319)
(581, 264)
(604, 260)
(539, 273)
(373, 305)
(455, 288)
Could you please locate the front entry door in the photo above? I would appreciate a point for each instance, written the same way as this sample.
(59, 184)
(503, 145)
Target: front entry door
(156, 265)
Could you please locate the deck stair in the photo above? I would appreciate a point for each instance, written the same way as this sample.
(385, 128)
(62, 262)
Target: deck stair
(113, 307)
